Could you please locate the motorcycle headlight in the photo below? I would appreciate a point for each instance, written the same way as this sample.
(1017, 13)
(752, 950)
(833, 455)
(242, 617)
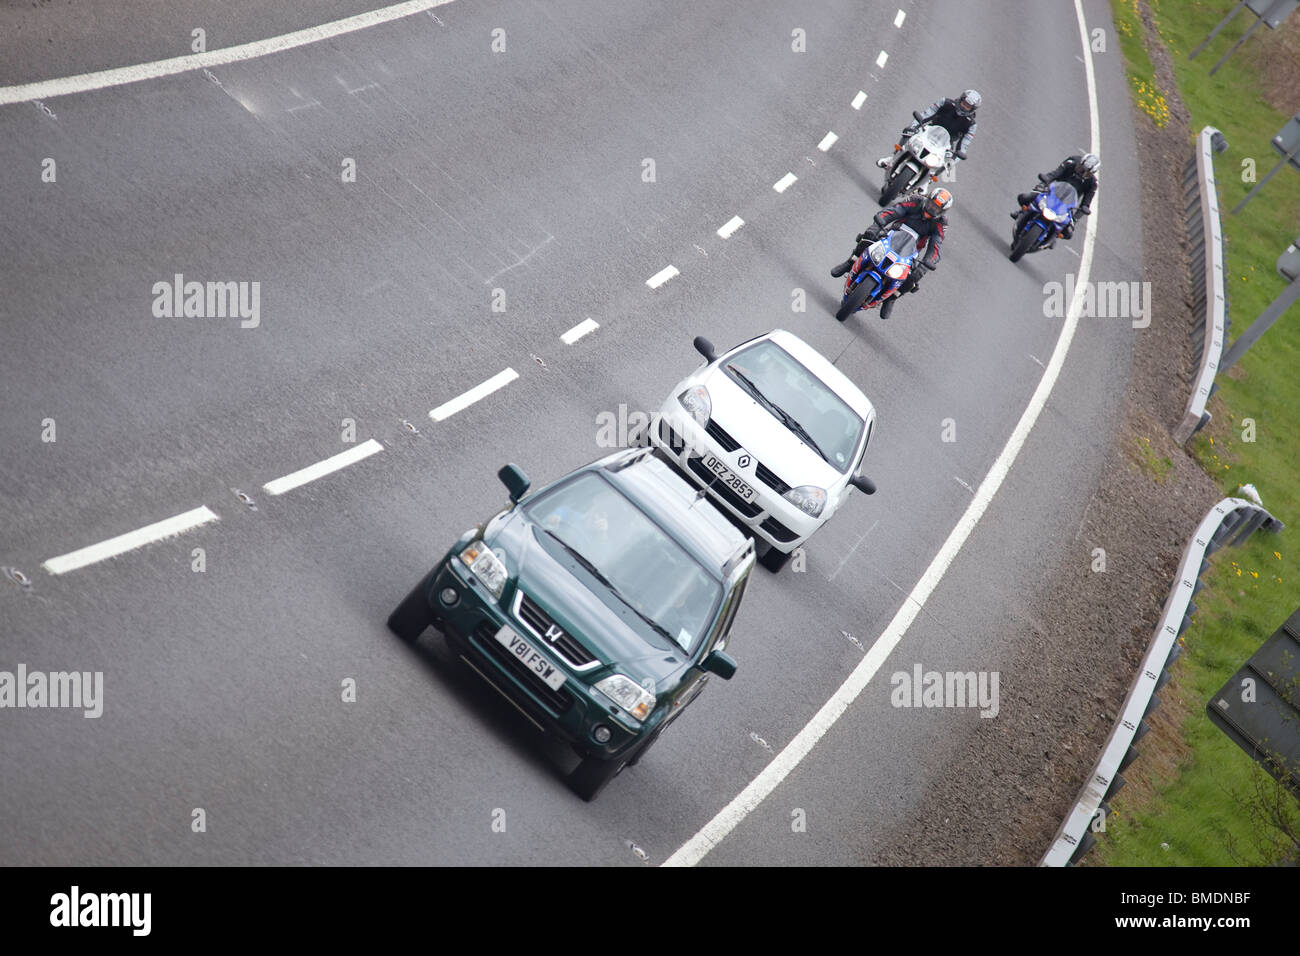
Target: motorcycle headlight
(807, 498)
(876, 251)
(1051, 216)
(628, 694)
(897, 270)
(487, 567)
(696, 401)
(934, 160)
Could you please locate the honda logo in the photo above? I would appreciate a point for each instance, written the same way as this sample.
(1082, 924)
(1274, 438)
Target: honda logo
(554, 633)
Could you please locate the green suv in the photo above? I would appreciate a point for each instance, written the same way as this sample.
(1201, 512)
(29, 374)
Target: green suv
(598, 606)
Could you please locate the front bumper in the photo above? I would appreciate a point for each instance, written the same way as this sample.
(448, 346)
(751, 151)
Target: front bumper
(769, 517)
(572, 712)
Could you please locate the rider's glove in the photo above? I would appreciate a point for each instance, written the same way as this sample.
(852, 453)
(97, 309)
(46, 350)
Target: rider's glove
(910, 131)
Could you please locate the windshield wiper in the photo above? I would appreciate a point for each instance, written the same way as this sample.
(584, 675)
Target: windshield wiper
(596, 573)
(787, 419)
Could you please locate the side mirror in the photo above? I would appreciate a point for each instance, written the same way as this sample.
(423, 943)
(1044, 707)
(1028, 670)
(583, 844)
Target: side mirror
(863, 484)
(724, 665)
(916, 115)
(705, 348)
(516, 482)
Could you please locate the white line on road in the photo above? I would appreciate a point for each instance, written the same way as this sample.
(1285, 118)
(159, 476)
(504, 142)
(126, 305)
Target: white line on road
(578, 331)
(859, 100)
(784, 183)
(729, 229)
(827, 142)
(882, 59)
(177, 524)
(482, 390)
(662, 276)
(289, 482)
(749, 799)
(67, 85)
(898, 20)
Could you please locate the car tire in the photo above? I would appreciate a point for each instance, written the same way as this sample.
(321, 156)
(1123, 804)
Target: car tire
(774, 560)
(411, 617)
(591, 776)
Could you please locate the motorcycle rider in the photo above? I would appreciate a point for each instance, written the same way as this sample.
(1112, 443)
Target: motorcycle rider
(957, 116)
(1081, 173)
(925, 214)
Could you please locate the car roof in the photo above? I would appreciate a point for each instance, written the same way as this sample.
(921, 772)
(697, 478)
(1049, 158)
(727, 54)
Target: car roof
(821, 366)
(678, 507)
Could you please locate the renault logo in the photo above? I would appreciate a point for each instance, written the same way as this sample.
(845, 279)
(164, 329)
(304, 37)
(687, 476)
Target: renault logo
(554, 633)
(743, 461)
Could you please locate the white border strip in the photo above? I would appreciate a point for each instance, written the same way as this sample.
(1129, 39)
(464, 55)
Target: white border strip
(1215, 311)
(827, 141)
(482, 390)
(65, 86)
(785, 182)
(168, 527)
(698, 846)
(662, 276)
(585, 327)
(332, 464)
(1076, 825)
(730, 227)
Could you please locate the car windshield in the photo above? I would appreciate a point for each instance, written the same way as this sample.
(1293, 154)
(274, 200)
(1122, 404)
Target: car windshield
(592, 522)
(806, 399)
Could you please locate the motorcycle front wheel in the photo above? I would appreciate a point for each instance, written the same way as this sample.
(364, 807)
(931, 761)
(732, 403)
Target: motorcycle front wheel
(854, 300)
(1021, 244)
(897, 183)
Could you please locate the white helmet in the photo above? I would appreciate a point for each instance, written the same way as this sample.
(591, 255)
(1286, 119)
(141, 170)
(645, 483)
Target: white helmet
(1090, 163)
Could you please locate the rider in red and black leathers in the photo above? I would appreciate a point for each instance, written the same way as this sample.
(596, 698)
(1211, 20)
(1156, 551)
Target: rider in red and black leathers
(925, 215)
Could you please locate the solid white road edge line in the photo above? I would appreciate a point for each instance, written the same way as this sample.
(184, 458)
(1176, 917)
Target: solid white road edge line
(584, 327)
(168, 527)
(45, 89)
(482, 390)
(698, 846)
(289, 482)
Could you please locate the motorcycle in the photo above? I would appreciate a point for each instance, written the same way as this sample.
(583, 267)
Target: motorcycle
(1050, 213)
(878, 272)
(927, 152)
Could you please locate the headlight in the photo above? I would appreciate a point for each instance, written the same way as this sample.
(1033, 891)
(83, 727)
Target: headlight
(487, 567)
(1050, 216)
(628, 694)
(934, 160)
(696, 401)
(897, 270)
(807, 498)
(877, 252)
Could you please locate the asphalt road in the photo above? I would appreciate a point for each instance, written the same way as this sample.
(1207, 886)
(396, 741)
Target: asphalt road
(519, 171)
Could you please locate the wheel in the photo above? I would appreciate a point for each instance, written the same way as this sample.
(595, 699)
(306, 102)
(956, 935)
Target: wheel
(412, 615)
(773, 559)
(855, 300)
(591, 776)
(1020, 245)
(896, 184)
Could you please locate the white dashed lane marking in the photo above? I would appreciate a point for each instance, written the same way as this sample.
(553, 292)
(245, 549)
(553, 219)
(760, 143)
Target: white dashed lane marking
(882, 59)
(289, 482)
(662, 276)
(827, 142)
(859, 100)
(584, 327)
(898, 20)
(785, 182)
(480, 391)
(168, 527)
(729, 229)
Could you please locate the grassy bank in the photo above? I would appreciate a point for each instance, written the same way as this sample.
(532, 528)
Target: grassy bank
(1190, 793)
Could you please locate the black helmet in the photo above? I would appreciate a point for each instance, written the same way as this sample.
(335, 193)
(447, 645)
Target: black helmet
(969, 102)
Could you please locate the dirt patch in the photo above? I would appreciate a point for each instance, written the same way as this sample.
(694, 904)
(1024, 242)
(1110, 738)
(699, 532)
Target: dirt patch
(1278, 58)
(1002, 799)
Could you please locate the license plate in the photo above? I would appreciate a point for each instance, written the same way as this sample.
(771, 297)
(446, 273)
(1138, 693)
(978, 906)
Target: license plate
(551, 675)
(724, 473)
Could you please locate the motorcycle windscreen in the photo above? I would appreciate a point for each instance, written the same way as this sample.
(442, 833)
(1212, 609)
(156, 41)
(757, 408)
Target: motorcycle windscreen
(935, 139)
(1061, 198)
(902, 243)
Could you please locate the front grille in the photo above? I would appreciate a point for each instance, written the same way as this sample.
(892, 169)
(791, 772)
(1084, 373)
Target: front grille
(721, 436)
(778, 530)
(556, 701)
(670, 437)
(769, 478)
(541, 622)
(730, 497)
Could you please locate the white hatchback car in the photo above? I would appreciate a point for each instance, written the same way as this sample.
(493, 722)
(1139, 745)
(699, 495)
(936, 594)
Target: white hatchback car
(776, 434)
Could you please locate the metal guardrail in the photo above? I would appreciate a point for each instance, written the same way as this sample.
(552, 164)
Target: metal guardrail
(1206, 237)
(1231, 521)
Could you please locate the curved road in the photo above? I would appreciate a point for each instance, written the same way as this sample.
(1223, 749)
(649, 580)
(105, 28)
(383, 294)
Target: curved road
(520, 171)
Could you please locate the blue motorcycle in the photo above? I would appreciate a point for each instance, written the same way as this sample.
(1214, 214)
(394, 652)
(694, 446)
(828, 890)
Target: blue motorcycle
(1039, 225)
(877, 274)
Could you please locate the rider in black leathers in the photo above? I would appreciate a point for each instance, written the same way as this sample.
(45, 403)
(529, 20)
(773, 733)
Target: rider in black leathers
(1081, 173)
(925, 215)
(957, 116)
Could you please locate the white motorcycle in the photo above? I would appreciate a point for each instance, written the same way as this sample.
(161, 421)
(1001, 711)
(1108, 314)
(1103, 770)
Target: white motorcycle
(927, 152)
